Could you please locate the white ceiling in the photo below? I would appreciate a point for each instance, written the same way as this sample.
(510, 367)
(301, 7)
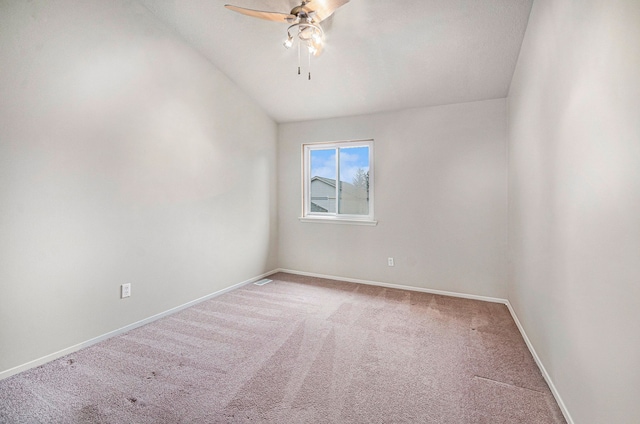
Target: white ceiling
(381, 55)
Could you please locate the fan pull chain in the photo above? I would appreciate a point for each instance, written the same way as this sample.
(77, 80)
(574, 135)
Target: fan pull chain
(309, 68)
(298, 55)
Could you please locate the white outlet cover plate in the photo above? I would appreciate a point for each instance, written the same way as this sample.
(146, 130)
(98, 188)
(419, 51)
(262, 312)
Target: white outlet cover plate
(125, 290)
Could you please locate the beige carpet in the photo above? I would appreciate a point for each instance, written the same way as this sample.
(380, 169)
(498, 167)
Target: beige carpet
(298, 350)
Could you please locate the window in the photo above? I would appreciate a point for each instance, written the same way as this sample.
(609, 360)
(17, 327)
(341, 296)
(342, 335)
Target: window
(338, 182)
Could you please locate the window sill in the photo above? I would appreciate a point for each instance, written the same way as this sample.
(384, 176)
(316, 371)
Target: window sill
(332, 220)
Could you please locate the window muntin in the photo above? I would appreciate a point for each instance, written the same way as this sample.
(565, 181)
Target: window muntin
(338, 180)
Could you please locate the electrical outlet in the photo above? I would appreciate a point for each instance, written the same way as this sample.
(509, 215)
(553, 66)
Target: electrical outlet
(125, 290)
(390, 262)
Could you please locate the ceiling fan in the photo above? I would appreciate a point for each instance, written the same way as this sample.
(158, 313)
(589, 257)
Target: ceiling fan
(304, 23)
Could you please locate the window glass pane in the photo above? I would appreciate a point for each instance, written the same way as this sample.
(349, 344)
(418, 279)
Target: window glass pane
(323, 180)
(354, 180)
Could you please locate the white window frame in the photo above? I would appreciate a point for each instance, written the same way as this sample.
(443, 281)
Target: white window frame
(335, 217)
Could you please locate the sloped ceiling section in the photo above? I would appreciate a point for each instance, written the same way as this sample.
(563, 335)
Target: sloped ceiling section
(381, 55)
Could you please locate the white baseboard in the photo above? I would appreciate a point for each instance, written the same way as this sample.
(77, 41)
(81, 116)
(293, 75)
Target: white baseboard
(397, 286)
(543, 370)
(48, 358)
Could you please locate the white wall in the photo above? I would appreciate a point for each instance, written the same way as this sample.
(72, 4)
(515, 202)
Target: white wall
(574, 116)
(440, 200)
(124, 157)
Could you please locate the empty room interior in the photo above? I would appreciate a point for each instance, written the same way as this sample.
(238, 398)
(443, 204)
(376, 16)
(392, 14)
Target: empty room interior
(158, 157)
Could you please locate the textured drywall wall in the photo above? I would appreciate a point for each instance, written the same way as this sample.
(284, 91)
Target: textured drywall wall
(574, 193)
(440, 200)
(125, 156)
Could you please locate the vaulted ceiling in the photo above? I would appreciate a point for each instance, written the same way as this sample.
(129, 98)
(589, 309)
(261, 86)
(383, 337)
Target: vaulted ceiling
(380, 55)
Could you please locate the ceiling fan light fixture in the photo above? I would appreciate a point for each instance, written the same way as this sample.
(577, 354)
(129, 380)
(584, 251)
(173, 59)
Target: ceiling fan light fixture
(308, 33)
(304, 23)
(288, 42)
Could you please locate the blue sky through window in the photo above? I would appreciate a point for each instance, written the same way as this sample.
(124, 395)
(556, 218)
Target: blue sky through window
(323, 162)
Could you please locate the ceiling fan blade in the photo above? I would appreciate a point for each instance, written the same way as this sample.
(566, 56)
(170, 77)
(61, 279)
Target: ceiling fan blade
(324, 8)
(269, 16)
